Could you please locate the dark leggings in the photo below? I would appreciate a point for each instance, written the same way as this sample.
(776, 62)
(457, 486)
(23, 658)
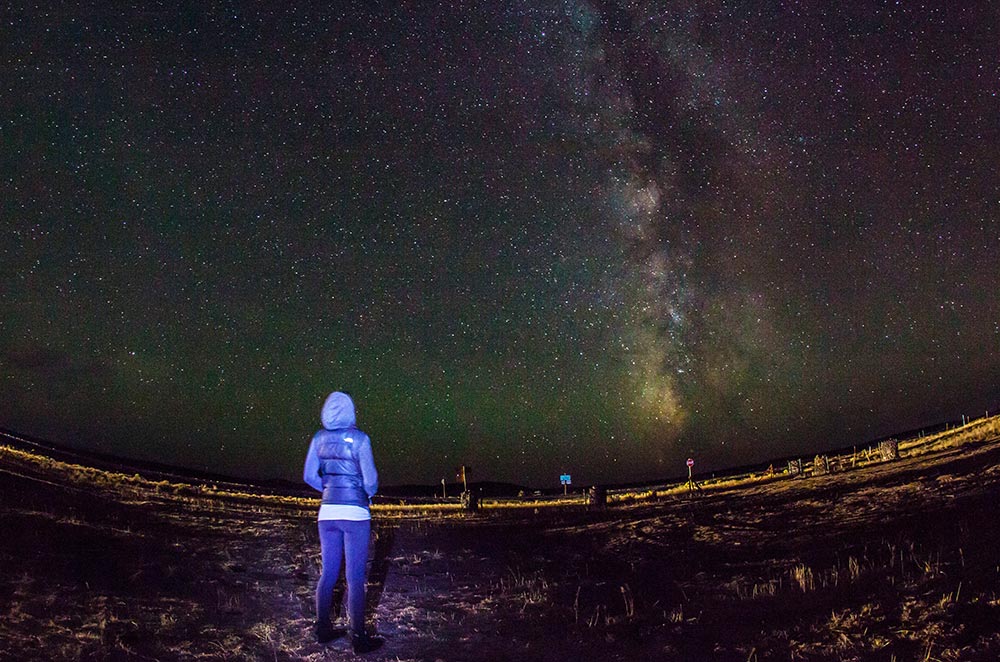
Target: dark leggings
(347, 540)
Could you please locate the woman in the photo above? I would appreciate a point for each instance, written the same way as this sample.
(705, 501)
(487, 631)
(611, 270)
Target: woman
(340, 465)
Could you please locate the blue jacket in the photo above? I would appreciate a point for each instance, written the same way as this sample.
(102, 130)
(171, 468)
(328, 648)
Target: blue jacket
(339, 462)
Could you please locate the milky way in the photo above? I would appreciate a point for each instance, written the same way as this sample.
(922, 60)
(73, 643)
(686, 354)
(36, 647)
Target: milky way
(530, 237)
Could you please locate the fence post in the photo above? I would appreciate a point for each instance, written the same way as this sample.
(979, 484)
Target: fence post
(597, 497)
(889, 450)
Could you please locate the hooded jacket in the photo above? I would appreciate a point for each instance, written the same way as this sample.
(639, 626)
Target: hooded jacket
(339, 462)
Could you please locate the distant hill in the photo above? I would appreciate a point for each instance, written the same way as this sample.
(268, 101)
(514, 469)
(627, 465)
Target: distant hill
(161, 471)
(485, 488)
(490, 489)
(150, 470)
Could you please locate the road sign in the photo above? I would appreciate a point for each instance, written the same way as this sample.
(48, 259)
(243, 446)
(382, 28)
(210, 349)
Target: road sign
(690, 462)
(564, 479)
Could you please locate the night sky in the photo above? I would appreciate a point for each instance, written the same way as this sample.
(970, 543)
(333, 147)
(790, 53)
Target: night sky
(531, 237)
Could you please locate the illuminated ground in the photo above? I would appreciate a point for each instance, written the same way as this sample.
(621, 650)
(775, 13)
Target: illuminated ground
(887, 561)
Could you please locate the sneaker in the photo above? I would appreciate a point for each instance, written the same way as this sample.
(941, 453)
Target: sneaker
(365, 643)
(326, 633)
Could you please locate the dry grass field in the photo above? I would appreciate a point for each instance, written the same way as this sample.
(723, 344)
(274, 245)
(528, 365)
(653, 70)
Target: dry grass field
(893, 561)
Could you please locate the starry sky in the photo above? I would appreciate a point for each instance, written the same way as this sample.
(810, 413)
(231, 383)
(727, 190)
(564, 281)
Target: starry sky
(531, 237)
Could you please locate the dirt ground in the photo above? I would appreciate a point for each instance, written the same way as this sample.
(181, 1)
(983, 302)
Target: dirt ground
(895, 561)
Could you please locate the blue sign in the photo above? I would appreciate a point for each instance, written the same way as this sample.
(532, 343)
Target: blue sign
(564, 480)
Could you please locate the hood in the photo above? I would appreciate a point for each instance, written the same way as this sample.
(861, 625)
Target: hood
(338, 411)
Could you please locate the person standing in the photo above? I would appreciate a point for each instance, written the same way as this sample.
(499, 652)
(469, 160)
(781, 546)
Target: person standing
(340, 464)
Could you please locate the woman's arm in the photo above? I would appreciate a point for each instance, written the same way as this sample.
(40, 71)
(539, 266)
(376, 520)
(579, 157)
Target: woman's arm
(368, 472)
(310, 472)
